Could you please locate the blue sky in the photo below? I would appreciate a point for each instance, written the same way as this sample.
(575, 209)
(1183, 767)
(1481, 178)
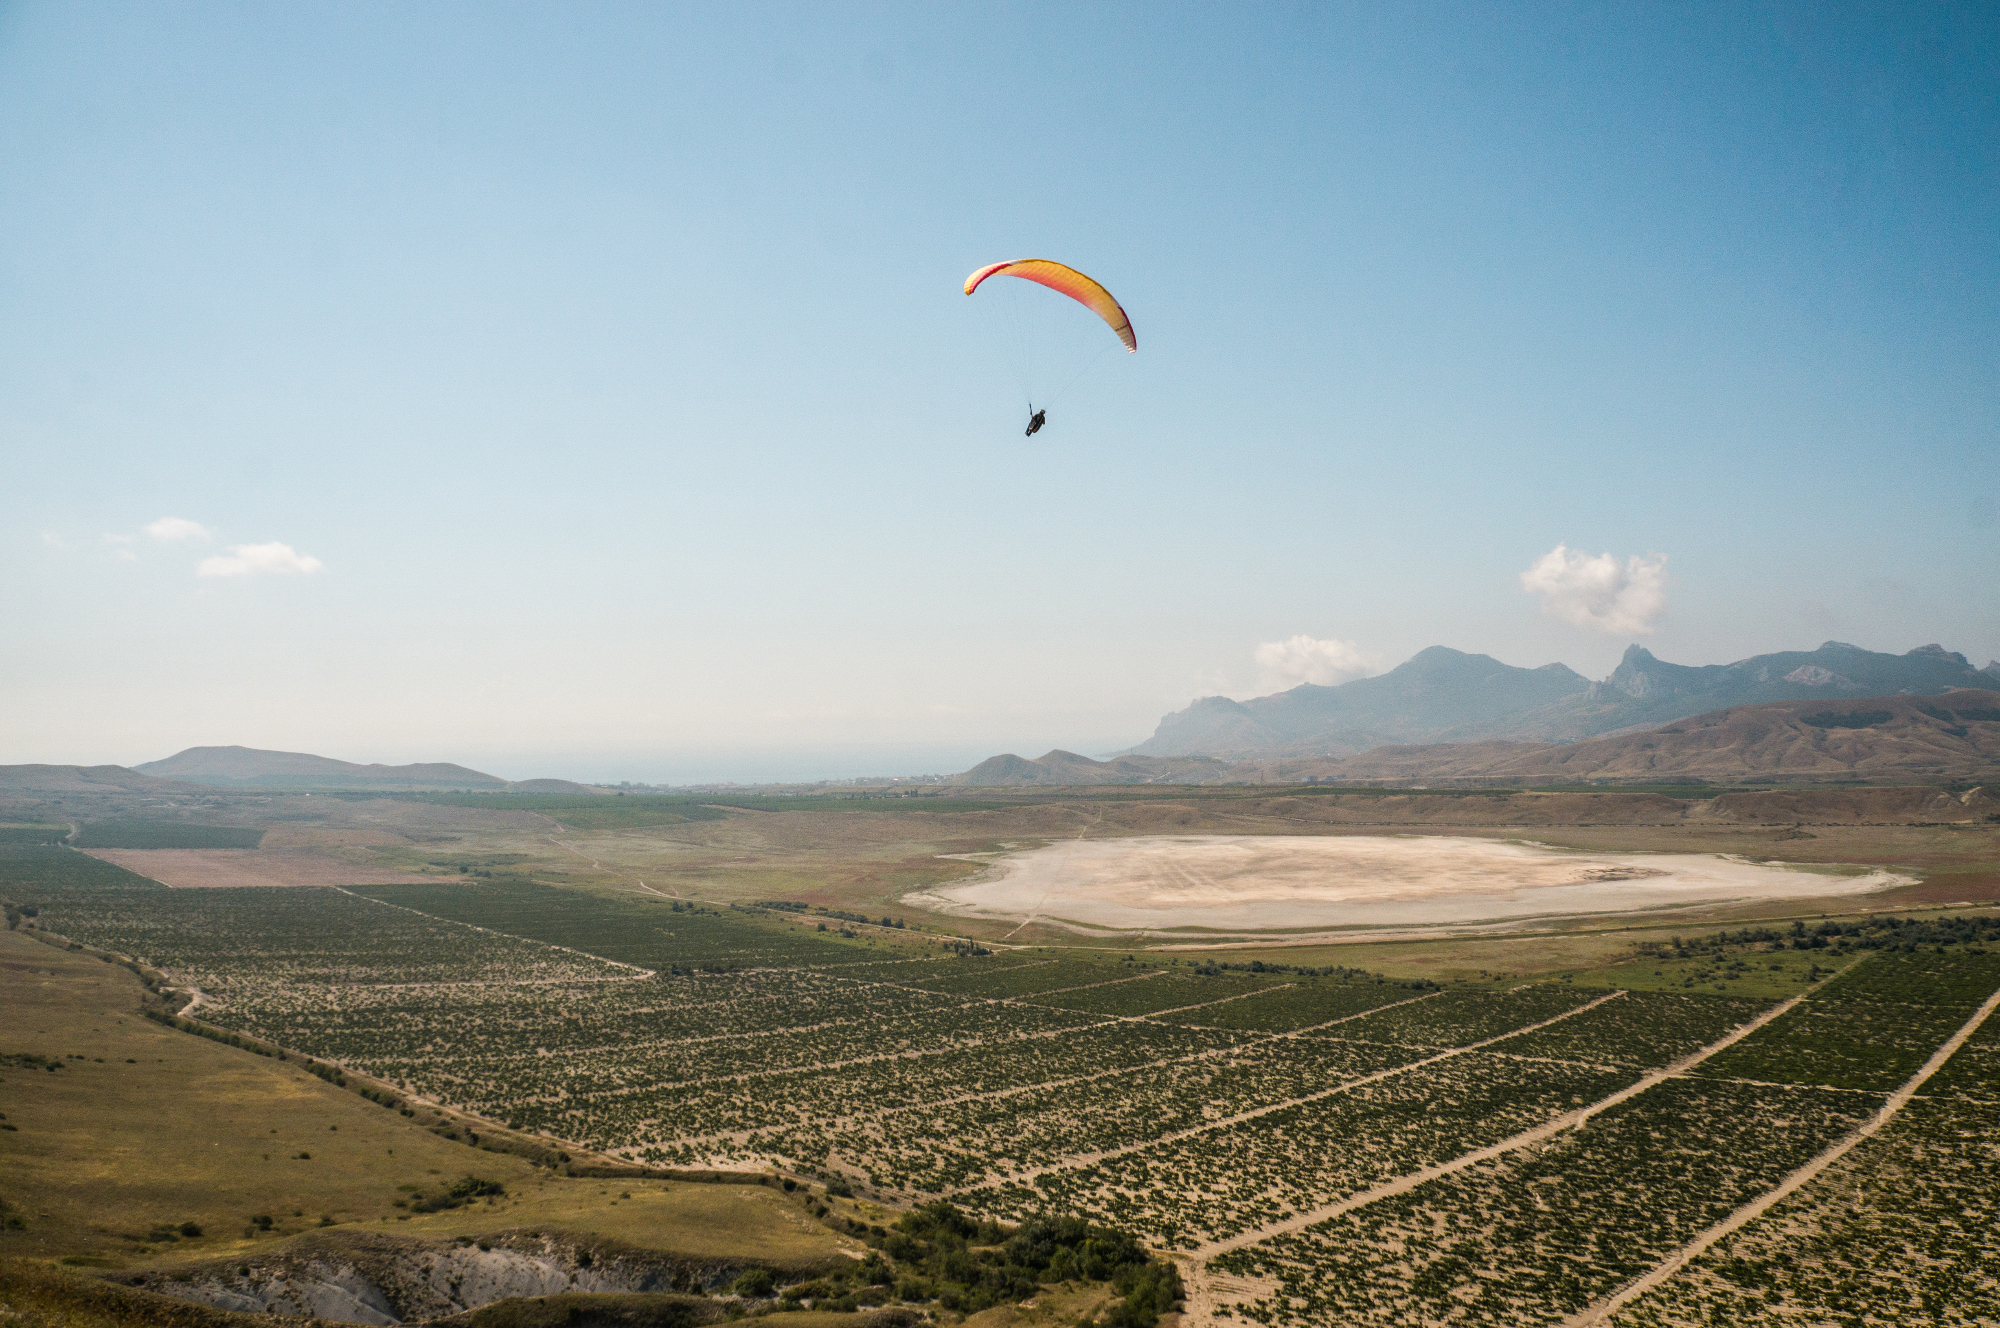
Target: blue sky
(609, 362)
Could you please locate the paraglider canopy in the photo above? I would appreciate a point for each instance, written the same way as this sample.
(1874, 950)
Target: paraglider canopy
(1067, 281)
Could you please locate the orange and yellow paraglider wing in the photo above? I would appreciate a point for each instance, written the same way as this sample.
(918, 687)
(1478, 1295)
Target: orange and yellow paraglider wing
(1067, 281)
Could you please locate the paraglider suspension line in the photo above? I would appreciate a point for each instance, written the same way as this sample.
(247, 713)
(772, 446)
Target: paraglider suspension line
(1075, 378)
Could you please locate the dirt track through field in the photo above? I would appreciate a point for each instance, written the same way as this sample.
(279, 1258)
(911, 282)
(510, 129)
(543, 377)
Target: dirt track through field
(1201, 1291)
(637, 973)
(967, 1044)
(1203, 1005)
(1032, 999)
(1092, 986)
(1793, 1183)
(1252, 1040)
(1092, 1158)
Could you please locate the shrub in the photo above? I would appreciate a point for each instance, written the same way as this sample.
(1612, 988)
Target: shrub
(756, 1283)
(1150, 1291)
(461, 1193)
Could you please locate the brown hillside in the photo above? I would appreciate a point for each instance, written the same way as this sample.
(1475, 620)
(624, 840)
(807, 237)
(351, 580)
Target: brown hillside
(1955, 735)
(85, 779)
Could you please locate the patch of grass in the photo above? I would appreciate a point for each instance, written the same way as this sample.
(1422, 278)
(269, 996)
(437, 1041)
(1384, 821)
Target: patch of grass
(1754, 971)
(32, 834)
(661, 934)
(584, 811)
(38, 1296)
(602, 811)
(147, 1130)
(165, 834)
(29, 870)
(747, 1223)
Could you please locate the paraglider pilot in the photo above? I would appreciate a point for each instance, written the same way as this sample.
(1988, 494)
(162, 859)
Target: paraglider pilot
(1036, 421)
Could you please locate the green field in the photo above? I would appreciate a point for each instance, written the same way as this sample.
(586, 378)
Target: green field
(125, 833)
(28, 872)
(29, 834)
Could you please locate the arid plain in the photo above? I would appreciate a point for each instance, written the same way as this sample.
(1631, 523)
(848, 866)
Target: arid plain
(1313, 1109)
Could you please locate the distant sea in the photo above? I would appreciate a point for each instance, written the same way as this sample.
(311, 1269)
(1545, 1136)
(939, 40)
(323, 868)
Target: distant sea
(800, 765)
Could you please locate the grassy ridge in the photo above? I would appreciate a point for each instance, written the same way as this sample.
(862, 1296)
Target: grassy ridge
(38, 1296)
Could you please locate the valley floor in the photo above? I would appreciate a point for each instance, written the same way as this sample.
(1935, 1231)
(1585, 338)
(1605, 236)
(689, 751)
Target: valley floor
(1315, 1145)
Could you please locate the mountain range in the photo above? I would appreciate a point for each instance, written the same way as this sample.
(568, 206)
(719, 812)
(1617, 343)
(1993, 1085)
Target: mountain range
(1952, 735)
(1442, 695)
(250, 767)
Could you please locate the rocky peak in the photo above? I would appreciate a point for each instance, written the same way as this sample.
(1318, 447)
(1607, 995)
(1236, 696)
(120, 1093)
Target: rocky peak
(1637, 674)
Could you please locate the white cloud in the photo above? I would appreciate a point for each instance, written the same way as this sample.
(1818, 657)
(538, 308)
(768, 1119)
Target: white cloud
(1600, 593)
(251, 559)
(1308, 659)
(175, 528)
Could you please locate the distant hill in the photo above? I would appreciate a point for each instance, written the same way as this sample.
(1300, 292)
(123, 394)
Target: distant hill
(1954, 735)
(1444, 695)
(552, 786)
(1060, 767)
(248, 767)
(1435, 692)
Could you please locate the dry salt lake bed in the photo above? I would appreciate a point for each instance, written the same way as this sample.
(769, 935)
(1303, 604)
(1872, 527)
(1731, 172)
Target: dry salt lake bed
(1253, 883)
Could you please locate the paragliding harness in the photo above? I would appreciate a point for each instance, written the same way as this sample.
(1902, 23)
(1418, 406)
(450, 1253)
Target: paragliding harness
(1036, 420)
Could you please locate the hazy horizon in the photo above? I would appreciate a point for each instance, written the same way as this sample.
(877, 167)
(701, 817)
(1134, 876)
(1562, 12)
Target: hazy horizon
(771, 765)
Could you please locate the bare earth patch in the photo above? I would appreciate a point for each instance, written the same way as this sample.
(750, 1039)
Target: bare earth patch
(195, 868)
(1253, 882)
